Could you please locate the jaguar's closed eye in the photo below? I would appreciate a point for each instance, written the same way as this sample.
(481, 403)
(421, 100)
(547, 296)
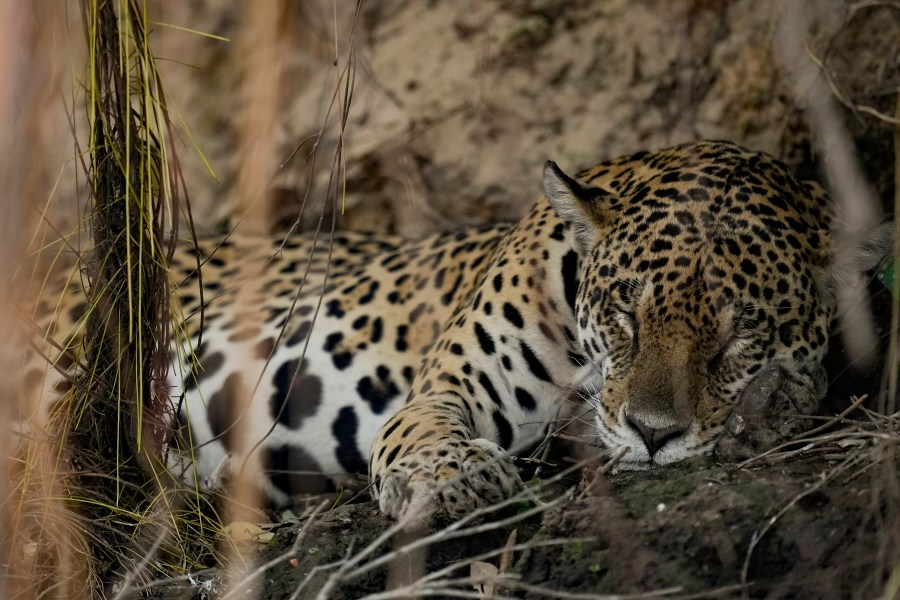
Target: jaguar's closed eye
(716, 361)
(628, 321)
(626, 314)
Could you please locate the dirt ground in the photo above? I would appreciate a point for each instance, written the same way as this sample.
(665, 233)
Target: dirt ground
(808, 528)
(455, 106)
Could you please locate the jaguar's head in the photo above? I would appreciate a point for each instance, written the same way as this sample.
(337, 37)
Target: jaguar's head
(693, 283)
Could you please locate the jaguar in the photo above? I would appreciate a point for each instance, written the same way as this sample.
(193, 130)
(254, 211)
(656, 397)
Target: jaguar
(674, 303)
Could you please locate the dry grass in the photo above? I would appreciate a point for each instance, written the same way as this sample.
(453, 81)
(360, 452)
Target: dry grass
(32, 63)
(877, 433)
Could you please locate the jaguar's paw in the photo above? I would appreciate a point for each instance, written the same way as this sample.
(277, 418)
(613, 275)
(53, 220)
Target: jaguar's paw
(455, 477)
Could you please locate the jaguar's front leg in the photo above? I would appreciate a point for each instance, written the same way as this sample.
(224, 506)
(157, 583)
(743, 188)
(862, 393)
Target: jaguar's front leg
(429, 457)
(771, 410)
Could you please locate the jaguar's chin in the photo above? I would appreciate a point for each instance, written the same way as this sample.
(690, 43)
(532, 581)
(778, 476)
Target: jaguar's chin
(638, 458)
(631, 459)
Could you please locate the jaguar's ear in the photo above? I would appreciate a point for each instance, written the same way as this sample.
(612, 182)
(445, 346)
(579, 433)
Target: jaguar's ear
(585, 208)
(847, 253)
(877, 247)
(849, 256)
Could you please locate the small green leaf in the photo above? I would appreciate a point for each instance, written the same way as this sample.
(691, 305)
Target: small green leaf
(887, 276)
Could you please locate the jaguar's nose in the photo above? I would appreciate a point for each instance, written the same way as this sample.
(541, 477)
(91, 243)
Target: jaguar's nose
(655, 438)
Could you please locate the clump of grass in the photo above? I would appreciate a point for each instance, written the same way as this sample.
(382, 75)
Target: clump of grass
(122, 413)
(127, 346)
(94, 497)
